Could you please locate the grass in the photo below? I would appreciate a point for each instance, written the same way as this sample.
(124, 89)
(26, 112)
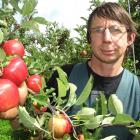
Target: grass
(6, 132)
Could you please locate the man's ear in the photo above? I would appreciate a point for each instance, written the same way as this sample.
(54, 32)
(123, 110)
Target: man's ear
(131, 38)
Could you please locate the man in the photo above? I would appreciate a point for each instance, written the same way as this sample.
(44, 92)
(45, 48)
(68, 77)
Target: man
(110, 33)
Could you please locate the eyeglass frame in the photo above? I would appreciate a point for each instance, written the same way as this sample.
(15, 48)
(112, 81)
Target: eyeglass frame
(101, 30)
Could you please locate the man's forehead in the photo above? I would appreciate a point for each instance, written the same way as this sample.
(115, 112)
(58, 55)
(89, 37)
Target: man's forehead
(100, 21)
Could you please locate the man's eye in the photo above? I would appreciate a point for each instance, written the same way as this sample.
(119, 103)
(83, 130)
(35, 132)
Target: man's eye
(99, 30)
(115, 30)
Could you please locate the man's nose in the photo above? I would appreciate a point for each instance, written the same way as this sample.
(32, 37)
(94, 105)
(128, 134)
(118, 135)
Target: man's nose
(107, 37)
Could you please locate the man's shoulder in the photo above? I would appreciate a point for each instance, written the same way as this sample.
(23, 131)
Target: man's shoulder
(52, 82)
(135, 75)
(67, 68)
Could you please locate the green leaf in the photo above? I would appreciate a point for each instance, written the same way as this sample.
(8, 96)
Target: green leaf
(1, 36)
(62, 76)
(27, 120)
(42, 118)
(63, 84)
(123, 119)
(98, 106)
(43, 82)
(86, 113)
(40, 20)
(94, 122)
(2, 55)
(14, 3)
(136, 137)
(72, 95)
(135, 132)
(49, 91)
(115, 105)
(67, 137)
(86, 91)
(3, 23)
(137, 124)
(41, 99)
(97, 134)
(108, 120)
(62, 88)
(28, 7)
(103, 104)
(30, 25)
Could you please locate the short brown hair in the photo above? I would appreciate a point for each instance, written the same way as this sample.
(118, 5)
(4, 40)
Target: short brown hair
(113, 11)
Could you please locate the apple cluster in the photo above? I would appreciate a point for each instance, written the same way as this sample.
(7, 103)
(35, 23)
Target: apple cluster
(13, 72)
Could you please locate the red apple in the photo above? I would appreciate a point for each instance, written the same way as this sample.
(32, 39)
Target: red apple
(59, 125)
(9, 95)
(16, 71)
(12, 47)
(34, 82)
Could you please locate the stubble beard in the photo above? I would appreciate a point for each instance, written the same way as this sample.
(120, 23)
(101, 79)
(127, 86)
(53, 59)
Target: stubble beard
(112, 61)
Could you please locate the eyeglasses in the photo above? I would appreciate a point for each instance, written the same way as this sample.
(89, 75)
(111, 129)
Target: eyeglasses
(114, 30)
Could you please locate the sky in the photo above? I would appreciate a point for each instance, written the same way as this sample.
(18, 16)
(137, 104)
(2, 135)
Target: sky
(65, 12)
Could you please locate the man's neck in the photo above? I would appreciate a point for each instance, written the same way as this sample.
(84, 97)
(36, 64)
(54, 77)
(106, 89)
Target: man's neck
(106, 70)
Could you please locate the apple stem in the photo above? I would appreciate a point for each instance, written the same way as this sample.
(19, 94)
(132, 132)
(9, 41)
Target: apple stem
(52, 109)
(53, 113)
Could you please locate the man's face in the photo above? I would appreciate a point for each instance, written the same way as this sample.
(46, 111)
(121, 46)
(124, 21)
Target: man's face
(109, 40)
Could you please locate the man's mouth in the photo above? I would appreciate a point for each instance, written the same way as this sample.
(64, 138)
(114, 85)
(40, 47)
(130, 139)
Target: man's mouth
(108, 52)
